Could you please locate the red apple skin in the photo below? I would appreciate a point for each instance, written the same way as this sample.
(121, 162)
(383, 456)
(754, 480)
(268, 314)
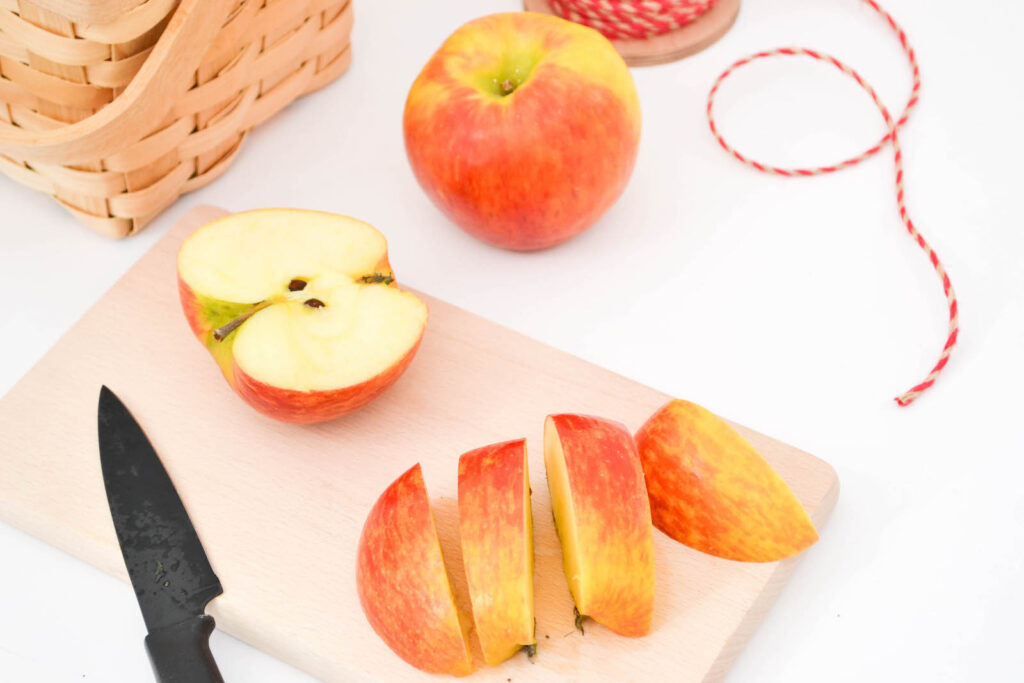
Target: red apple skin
(289, 405)
(712, 491)
(613, 516)
(403, 583)
(495, 527)
(541, 165)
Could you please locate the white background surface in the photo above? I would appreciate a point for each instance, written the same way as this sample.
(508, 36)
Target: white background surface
(797, 307)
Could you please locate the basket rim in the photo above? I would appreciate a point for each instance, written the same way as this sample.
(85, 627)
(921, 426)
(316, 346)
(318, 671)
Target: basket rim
(89, 11)
(170, 65)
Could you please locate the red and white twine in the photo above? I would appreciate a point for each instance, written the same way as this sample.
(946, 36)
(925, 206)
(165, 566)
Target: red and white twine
(892, 127)
(639, 19)
(631, 19)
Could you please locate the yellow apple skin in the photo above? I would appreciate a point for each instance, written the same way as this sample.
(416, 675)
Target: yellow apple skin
(496, 528)
(403, 584)
(533, 167)
(710, 490)
(612, 581)
(206, 314)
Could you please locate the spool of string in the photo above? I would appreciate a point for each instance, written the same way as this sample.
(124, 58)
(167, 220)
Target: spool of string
(639, 19)
(631, 19)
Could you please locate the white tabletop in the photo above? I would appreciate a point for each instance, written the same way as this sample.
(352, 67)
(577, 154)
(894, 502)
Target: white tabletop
(797, 307)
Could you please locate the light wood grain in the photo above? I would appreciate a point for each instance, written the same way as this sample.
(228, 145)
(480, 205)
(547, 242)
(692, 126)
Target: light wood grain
(668, 47)
(118, 119)
(280, 507)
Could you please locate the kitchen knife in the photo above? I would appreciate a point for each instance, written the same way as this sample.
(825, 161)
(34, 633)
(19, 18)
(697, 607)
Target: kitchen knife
(169, 570)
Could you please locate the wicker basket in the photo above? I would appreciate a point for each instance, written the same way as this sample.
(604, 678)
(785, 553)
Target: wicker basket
(117, 107)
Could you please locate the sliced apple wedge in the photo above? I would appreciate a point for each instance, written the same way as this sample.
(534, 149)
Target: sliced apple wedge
(403, 583)
(603, 520)
(496, 528)
(712, 491)
(299, 309)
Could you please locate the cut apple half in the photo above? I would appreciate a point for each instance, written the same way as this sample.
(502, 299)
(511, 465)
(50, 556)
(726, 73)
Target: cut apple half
(603, 520)
(712, 491)
(403, 583)
(496, 530)
(299, 309)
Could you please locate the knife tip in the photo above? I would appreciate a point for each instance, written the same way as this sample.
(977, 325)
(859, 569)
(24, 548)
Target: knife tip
(108, 398)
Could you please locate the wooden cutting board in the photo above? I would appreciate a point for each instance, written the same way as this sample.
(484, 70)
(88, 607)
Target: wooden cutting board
(280, 507)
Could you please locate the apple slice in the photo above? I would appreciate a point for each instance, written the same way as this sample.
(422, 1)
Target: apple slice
(603, 520)
(403, 584)
(299, 309)
(710, 490)
(496, 527)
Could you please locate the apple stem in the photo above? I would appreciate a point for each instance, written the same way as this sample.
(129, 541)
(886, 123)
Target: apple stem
(507, 86)
(579, 621)
(377, 278)
(221, 332)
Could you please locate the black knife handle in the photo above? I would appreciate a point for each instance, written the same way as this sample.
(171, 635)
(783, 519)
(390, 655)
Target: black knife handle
(181, 653)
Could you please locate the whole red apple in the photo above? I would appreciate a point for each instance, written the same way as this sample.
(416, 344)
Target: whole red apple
(523, 128)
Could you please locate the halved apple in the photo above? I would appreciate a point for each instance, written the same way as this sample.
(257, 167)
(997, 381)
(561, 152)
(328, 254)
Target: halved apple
(496, 528)
(403, 583)
(712, 491)
(603, 520)
(299, 309)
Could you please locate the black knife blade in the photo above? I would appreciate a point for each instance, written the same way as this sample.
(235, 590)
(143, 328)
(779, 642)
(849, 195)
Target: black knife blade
(169, 570)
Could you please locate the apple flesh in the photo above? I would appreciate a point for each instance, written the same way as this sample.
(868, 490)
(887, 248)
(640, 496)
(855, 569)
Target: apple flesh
(299, 309)
(603, 520)
(496, 529)
(523, 128)
(403, 583)
(712, 491)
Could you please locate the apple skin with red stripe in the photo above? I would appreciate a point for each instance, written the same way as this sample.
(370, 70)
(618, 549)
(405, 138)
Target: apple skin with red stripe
(403, 583)
(523, 128)
(603, 520)
(496, 533)
(712, 491)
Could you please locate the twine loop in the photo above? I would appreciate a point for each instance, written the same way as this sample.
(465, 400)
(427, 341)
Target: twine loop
(891, 136)
(640, 19)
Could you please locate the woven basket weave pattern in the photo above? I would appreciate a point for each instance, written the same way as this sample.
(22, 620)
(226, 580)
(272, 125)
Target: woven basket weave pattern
(58, 69)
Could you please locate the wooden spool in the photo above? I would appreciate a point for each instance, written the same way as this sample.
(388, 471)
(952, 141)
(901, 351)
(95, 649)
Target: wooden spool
(668, 47)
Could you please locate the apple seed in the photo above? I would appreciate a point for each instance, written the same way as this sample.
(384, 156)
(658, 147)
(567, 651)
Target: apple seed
(296, 285)
(314, 303)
